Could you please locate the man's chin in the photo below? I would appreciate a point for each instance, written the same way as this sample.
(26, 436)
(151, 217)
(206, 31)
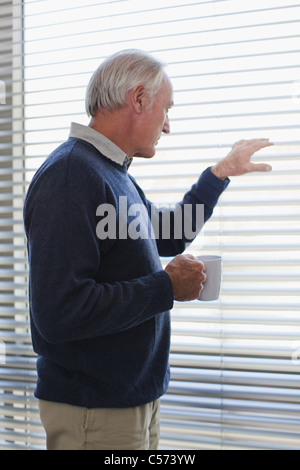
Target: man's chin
(145, 154)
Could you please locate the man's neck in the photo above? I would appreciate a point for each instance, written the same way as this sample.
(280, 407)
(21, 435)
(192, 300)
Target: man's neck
(115, 126)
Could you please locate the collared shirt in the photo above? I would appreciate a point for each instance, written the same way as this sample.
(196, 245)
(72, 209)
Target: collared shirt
(101, 143)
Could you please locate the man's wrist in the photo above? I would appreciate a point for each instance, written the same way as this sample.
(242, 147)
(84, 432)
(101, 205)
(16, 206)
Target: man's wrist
(220, 172)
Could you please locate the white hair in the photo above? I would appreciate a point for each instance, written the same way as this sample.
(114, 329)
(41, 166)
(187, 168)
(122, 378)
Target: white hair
(119, 74)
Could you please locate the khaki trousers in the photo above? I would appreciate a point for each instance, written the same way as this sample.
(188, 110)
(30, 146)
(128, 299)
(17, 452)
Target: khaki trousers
(74, 428)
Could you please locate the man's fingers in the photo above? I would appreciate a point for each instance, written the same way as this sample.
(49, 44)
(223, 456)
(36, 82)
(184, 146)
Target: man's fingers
(188, 256)
(260, 167)
(260, 143)
(254, 144)
(238, 161)
(257, 141)
(187, 275)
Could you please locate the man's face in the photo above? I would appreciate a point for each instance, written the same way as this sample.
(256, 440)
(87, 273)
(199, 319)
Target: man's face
(154, 121)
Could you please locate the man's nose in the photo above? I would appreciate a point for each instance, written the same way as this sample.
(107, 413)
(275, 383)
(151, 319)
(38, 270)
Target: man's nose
(166, 128)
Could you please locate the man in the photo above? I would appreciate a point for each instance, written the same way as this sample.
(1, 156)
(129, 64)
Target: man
(99, 304)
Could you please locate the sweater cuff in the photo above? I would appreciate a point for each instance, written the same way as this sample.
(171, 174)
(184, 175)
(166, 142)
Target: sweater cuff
(211, 179)
(211, 187)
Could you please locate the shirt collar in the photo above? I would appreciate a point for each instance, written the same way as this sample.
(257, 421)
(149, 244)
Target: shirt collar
(101, 143)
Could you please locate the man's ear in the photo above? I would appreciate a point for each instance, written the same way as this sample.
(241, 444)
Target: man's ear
(139, 98)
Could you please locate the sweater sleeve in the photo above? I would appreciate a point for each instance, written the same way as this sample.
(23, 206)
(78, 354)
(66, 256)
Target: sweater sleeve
(66, 302)
(185, 218)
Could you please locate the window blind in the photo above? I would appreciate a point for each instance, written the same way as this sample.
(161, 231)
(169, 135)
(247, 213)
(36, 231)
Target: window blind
(19, 420)
(236, 74)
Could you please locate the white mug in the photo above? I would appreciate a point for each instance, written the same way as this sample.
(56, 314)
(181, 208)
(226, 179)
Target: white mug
(213, 271)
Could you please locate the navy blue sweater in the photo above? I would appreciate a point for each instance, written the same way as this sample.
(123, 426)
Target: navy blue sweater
(99, 308)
